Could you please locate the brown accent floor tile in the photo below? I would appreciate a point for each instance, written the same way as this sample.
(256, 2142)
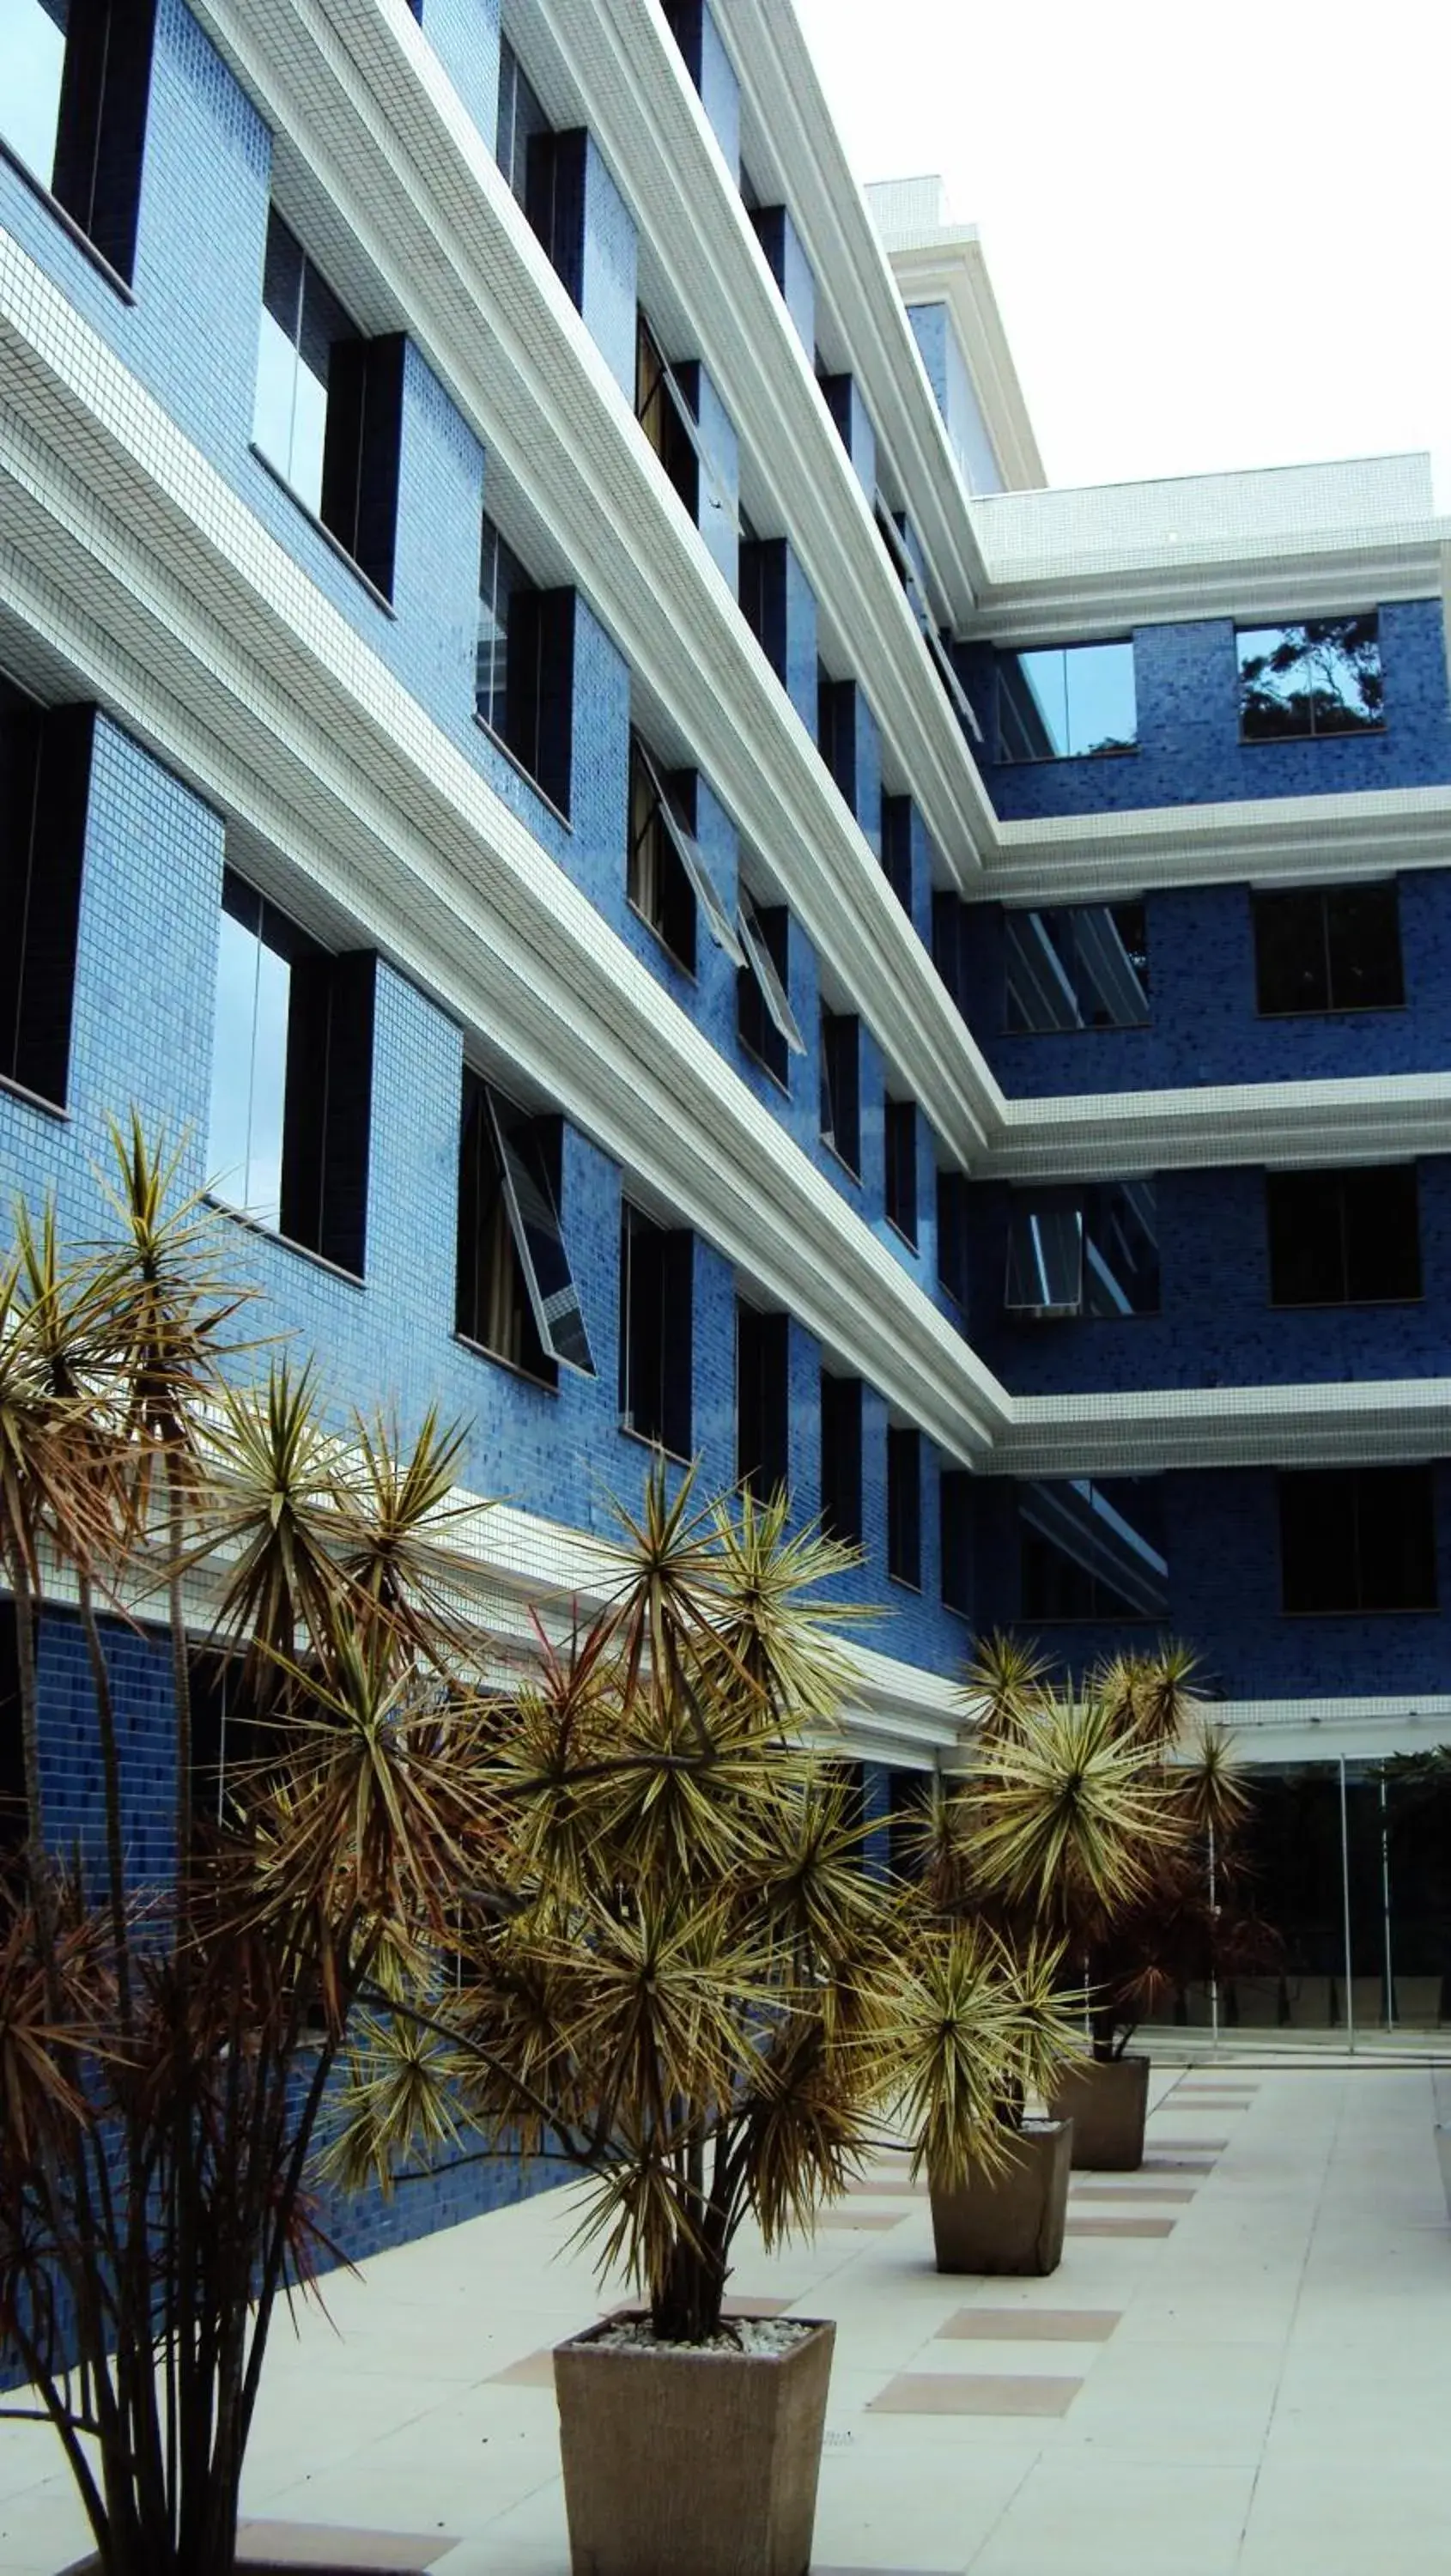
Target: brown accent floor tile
(327, 2546)
(890, 2187)
(973, 2393)
(1107, 2191)
(1030, 2325)
(858, 2218)
(536, 2370)
(1100, 2226)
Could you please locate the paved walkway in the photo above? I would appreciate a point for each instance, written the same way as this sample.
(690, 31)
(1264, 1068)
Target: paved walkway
(1243, 2368)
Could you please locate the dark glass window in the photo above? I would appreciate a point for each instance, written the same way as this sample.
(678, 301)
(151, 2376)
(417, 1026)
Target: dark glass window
(1356, 1539)
(1323, 677)
(764, 1017)
(904, 1506)
(900, 1130)
(521, 121)
(897, 848)
(656, 1331)
(45, 771)
(516, 1294)
(14, 1811)
(75, 78)
(1093, 1251)
(666, 417)
(1093, 1549)
(1343, 1238)
(1081, 966)
(841, 1458)
(302, 321)
(762, 1400)
(1328, 948)
(1070, 702)
(836, 730)
(955, 1499)
(668, 876)
(228, 1734)
(841, 1088)
(952, 1234)
(328, 415)
(292, 1075)
(502, 580)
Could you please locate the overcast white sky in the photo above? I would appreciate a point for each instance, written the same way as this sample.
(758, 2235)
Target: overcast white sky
(1219, 230)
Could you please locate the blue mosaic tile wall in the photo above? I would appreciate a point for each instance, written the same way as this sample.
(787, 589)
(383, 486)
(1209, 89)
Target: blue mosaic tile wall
(1203, 1025)
(1186, 681)
(1221, 1534)
(1217, 1326)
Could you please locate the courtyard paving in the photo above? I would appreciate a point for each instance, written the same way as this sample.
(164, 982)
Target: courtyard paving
(1242, 2368)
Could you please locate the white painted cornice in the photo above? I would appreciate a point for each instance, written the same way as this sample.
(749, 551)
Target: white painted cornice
(1369, 1422)
(1262, 840)
(1111, 1135)
(1333, 580)
(948, 266)
(158, 590)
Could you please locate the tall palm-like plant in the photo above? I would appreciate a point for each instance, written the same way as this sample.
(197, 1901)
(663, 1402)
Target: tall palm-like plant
(165, 2052)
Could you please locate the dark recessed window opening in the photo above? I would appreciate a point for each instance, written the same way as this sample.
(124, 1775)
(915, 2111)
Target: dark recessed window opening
(1303, 681)
(841, 1458)
(1344, 1238)
(524, 668)
(764, 1018)
(841, 1088)
(904, 1506)
(900, 1133)
(1093, 1548)
(1356, 1539)
(1069, 702)
(329, 408)
(45, 776)
(14, 1811)
(1092, 1251)
(668, 876)
(668, 418)
(1328, 948)
(1082, 966)
(762, 1400)
(516, 1293)
(74, 91)
(292, 1080)
(955, 1507)
(952, 1235)
(228, 1733)
(836, 730)
(521, 124)
(897, 848)
(656, 1331)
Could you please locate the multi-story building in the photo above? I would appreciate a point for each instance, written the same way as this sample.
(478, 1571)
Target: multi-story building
(552, 730)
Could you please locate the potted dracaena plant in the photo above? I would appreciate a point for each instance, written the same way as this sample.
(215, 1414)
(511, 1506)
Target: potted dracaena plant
(686, 1984)
(1083, 1817)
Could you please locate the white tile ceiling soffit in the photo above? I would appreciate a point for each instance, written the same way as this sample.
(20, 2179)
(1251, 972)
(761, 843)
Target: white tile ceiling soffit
(163, 569)
(1366, 1423)
(1112, 1135)
(1280, 839)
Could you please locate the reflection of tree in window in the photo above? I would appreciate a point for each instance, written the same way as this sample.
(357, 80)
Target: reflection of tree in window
(1067, 702)
(1319, 677)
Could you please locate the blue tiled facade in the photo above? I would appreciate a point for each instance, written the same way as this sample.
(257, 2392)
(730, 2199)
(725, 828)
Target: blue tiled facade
(155, 849)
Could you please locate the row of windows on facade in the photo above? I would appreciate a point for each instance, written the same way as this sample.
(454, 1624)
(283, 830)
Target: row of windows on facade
(1298, 682)
(1352, 1540)
(1333, 1238)
(1317, 950)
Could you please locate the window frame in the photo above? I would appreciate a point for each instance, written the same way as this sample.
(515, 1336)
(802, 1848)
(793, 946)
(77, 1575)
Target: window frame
(834, 1028)
(1089, 1206)
(1347, 1184)
(527, 1194)
(1310, 627)
(1367, 1508)
(1015, 653)
(761, 991)
(97, 153)
(671, 1248)
(899, 1128)
(1064, 960)
(1123, 1613)
(694, 865)
(1261, 897)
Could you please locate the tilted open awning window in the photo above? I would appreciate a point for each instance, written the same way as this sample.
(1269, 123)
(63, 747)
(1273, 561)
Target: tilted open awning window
(1045, 1259)
(696, 865)
(764, 968)
(538, 1239)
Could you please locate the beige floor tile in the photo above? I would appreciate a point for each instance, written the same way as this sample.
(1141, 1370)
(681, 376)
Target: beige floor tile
(1100, 2225)
(1031, 2325)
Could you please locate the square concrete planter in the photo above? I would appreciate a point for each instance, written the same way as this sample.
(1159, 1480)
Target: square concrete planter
(1108, 2105)
(678, 2461)
(1011, 2220)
